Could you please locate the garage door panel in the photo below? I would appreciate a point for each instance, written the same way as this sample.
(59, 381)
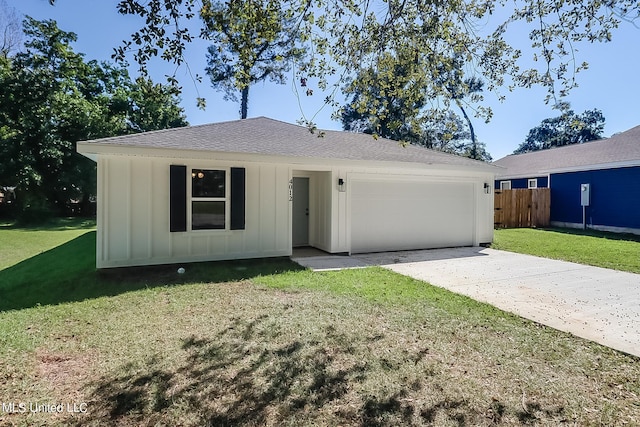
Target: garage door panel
(391, 215)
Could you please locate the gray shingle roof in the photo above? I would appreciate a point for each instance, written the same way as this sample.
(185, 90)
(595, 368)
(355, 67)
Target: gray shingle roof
(621, 148)
(266, 136)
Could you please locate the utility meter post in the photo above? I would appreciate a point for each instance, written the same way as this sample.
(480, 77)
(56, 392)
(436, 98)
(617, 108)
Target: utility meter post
(585, 196)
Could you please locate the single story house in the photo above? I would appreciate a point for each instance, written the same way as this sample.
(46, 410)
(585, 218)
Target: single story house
(595, 184)
(259, 187)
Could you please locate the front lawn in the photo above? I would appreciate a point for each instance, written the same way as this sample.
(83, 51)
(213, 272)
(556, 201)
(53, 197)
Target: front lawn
(56, 264)
(600, 249)
(17, 243)
(265, 343)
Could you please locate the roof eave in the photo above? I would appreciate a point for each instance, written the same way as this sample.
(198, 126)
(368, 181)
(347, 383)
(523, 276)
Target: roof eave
(93, 149)
(598, 166)
(523, 175)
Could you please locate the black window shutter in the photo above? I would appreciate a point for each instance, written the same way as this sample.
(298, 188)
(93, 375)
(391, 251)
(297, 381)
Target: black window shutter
(178, 198)
(237, 198)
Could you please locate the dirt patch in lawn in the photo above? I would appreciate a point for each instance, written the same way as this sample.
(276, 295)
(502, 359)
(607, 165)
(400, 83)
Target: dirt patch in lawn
(66, 373)
(50, 390)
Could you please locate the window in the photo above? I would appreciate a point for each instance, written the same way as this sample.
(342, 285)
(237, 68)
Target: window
(505, 185)
(208, 199)
(533, 183)
(217, 199)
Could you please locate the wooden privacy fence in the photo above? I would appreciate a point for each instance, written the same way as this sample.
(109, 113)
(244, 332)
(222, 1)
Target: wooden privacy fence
(522, 208)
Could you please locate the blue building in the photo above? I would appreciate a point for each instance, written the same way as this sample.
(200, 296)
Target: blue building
(596, 184)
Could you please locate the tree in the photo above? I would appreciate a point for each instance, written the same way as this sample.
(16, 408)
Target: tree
(565, 129)
(448, 133)
(471, 86)
(377, 106)
(402, 120)
(475, 150)
(151, 106)
(50, 97)
(253, 41)
(10, 33)
(346, 36)
(385, 112)
(461, 90)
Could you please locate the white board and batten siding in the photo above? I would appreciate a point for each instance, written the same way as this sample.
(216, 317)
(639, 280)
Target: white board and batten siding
(381, 208)
(133, 215)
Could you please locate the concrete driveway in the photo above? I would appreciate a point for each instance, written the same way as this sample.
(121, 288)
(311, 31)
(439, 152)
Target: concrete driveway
(598, 304)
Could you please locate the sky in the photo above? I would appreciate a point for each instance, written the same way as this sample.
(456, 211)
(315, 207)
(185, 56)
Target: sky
(610, 84)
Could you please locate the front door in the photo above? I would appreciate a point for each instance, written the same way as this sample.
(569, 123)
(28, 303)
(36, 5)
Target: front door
(300, 212)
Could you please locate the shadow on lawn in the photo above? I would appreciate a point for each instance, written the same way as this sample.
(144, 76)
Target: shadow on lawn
(595, 233)
(245, 375)
(240, 378)
(67, 273)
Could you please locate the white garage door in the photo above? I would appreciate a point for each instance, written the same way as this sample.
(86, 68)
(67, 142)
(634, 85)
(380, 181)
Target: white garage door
(398, 215)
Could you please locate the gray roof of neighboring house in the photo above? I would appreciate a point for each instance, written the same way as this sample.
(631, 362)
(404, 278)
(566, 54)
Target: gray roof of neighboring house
(621, 149)
(266, 136)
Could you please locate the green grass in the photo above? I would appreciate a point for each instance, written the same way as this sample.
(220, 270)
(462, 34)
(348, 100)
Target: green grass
(266, 343)
(57, 265)
(17, 243)
(376, 285)
(600, 249)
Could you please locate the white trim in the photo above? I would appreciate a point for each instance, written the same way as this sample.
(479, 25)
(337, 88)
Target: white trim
(478, 188)
(505, 184)
(226, 199)
(580, 168)
(410, 176)
(537, 175)
(533, 181)
(129, 212)
(600, 166)
(101, 220)
(520, 176)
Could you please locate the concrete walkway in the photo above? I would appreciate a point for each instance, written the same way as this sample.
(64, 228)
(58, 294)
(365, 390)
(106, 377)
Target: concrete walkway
(598, 304)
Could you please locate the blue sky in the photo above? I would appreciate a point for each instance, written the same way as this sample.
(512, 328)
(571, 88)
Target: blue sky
(610, 84)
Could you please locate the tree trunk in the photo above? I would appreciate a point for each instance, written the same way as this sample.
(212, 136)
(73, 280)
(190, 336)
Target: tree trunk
(244, 103)
(474, 144)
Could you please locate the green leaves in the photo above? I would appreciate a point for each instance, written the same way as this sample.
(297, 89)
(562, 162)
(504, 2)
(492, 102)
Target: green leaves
(566, 129)
(50, 98)
(344, 38)
(254, 40)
